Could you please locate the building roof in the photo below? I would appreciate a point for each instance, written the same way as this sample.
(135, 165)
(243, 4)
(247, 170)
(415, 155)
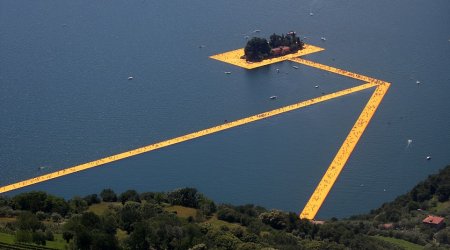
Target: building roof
(317, 222)
(435, 220)
(277, 50)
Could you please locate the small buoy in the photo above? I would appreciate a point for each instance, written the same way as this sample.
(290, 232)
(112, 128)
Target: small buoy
(278, 70)
(311, 14)
(384, 190)
(428, 158)
(130, 78)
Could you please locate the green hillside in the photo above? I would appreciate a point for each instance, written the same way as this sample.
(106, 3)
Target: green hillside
(186, 219)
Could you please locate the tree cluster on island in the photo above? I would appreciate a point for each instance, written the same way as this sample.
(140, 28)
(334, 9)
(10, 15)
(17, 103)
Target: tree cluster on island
(186, 219)
(258, 49)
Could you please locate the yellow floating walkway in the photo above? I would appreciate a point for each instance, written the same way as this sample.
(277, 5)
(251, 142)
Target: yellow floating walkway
(339, 161)
(338, 71)
(329, 178)
(233, 57)
(180, 139)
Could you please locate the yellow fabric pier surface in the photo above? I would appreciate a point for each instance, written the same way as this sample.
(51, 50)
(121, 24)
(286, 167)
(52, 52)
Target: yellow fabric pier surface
(234, 57)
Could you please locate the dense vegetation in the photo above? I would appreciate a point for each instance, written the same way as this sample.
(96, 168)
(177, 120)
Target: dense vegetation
(258, 49)
(407, 211)
(186, 219)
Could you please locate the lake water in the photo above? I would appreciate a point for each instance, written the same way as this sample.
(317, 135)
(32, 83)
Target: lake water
(65, 98)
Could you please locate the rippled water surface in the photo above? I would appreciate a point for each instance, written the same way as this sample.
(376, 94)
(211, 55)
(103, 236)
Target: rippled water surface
(65, 98)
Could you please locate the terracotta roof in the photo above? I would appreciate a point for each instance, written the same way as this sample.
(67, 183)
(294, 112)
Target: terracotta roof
(435, 220)
(277, 50)
(388, 225)
(318, 222)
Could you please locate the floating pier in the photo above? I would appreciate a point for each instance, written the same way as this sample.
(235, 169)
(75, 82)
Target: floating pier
(234, 57)
(180, 139)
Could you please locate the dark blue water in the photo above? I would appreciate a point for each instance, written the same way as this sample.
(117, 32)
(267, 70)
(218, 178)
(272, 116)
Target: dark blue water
(65, 98)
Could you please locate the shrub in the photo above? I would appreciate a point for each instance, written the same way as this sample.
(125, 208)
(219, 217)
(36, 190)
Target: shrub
(129, 195)
(92, 199)
(108, 195)
(41, 215)
(56, 217)
(188, 197)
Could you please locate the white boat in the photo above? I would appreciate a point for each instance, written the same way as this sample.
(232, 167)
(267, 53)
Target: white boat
(273, 97)
(428, 157)
(295, 67)
(323, 39)
(227, 72)
(130, 78)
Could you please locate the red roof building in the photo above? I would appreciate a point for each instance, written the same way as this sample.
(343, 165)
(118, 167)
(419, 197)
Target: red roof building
(280, 51)
(434, 220)
(317, 222)
(276, 51)
(285, 50)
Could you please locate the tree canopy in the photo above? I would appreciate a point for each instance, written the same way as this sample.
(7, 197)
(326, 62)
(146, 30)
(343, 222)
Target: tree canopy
(258, 49)
(186, 219)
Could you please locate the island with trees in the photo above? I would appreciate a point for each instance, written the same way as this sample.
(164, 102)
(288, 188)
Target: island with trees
(258, 49)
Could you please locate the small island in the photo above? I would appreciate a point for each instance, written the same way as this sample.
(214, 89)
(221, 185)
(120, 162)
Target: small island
(270, 52)
(258, 49)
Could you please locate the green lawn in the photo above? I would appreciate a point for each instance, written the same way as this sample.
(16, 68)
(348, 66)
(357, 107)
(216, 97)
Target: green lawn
(183, 212)
(216, 223)
(121, 235)
(442, 206)
(100, 208)
(59, 242)
(6, 238)
(402, 243)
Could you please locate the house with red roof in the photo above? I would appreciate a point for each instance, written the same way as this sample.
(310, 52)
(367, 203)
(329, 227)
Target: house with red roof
(434, 221)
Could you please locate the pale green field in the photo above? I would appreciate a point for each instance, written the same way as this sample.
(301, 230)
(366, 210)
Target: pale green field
(403, 243)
